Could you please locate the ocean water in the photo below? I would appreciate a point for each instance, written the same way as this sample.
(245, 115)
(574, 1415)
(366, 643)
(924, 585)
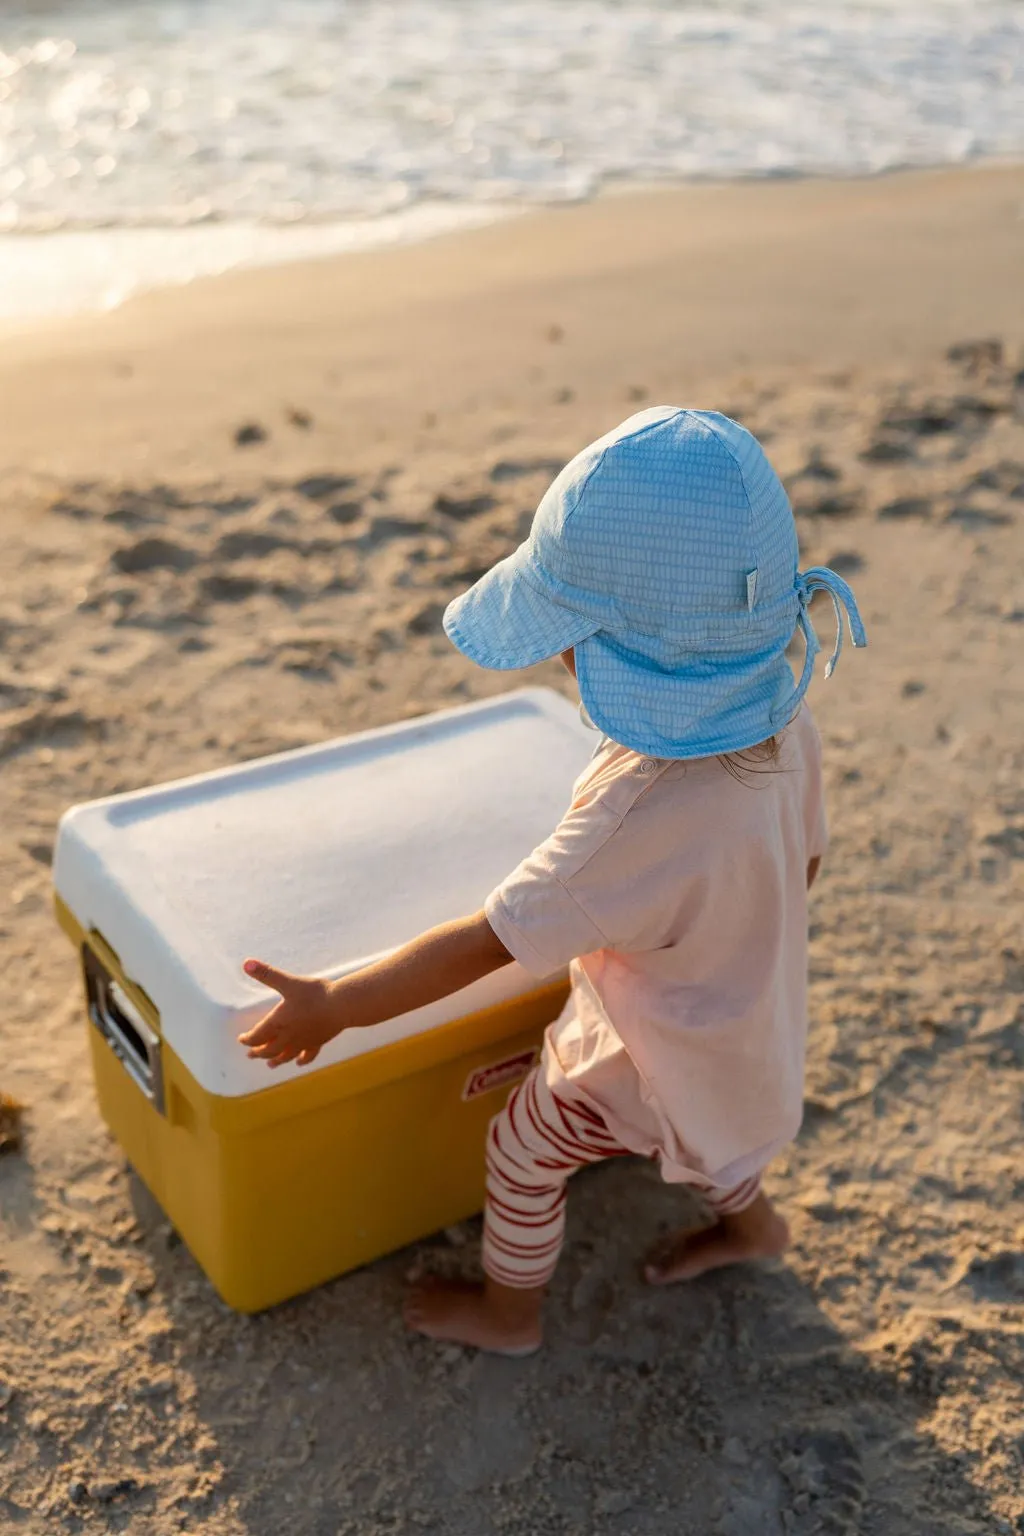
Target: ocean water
(250, 130)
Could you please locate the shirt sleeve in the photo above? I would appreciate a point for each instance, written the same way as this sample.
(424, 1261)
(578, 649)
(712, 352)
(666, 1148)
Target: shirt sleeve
(537, 912)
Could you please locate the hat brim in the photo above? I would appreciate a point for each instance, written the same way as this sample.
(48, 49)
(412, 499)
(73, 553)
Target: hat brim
(511, 619)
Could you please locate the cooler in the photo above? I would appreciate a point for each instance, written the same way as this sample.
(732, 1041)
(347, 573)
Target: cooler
(318, 860)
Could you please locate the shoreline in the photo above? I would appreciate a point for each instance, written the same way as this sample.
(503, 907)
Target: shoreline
(221, 248)
(499, 325)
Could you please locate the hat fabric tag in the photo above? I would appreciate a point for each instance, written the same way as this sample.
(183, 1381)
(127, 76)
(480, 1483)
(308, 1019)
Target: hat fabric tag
(751, 589)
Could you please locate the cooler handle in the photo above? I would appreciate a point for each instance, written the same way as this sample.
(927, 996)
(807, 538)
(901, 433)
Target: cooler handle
(135, 1044)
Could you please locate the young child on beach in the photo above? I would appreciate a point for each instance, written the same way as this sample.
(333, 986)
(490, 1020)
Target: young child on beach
(662, 567)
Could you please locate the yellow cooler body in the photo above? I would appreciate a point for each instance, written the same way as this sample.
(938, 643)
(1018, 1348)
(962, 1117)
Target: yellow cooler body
(281, 1181)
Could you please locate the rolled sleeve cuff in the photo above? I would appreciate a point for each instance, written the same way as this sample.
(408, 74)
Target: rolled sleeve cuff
(515, 940)
(572, 936)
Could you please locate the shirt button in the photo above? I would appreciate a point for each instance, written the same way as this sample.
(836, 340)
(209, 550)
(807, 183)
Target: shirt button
(648, 765)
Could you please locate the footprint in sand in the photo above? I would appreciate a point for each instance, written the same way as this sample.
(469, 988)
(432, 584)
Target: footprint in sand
(997, 1279)
(818, 468)
(979, 517)
(463, 507)
(324, 487)
(977, 356)
(826, 1481)
(250, 543)
(846, 562)
(903, 508)
(222, 587)
(152, 554)
(928, 421)
(1006, 477)
(345, 512)
(888, 450)
(516, 469)
(840, 505)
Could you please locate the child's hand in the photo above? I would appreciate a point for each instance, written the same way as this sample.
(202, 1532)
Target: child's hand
(303, 1021)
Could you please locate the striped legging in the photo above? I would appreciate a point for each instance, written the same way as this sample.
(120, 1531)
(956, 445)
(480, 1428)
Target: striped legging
(533, 1146)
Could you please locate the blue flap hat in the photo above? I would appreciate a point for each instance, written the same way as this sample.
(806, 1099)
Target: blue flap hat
(666, 555)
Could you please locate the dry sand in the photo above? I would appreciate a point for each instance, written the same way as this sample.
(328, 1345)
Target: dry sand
(172, 602)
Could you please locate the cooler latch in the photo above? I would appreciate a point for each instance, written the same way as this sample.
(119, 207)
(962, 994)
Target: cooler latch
(135, 1044)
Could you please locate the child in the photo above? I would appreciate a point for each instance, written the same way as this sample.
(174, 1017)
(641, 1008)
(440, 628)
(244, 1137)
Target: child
(662, 567)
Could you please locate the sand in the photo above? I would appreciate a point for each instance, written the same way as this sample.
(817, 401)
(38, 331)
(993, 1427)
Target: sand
(173, 601)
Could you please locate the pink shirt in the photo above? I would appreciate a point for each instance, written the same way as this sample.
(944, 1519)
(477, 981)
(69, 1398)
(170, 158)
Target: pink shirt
(680, 898)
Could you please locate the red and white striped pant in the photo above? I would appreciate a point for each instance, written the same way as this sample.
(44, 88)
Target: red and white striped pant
(533, 1146)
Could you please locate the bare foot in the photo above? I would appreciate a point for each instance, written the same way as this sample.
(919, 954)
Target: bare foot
(498, 1318)
(759, 1232)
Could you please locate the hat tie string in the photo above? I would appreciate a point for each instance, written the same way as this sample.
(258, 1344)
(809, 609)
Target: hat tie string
(820, 579)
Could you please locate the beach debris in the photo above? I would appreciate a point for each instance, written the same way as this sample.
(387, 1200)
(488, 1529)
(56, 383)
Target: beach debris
(912, 688)
(113, 1488)
(78, 1491)
(11, 1112)
(297, 417)
(555, 334)
(563, 396)
(637, 392)
(249, 433)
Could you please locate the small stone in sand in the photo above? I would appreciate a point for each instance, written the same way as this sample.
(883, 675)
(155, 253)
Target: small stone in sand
(297, 417)
(248, 433)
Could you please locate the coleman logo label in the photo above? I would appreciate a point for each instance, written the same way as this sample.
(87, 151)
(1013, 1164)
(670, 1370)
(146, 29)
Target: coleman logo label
(499, 1074)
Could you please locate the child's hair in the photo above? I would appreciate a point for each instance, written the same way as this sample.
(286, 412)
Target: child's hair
(762, 758)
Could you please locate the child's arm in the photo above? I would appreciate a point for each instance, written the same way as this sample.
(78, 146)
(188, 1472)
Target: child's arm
(312, 1012)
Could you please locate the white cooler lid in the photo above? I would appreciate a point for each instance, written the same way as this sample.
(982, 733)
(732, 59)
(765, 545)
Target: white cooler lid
(318, 860)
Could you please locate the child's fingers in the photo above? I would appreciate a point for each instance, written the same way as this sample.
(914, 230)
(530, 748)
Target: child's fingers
(271, 1046)
(262, 1034)
(270, 975)
(309, 1054)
